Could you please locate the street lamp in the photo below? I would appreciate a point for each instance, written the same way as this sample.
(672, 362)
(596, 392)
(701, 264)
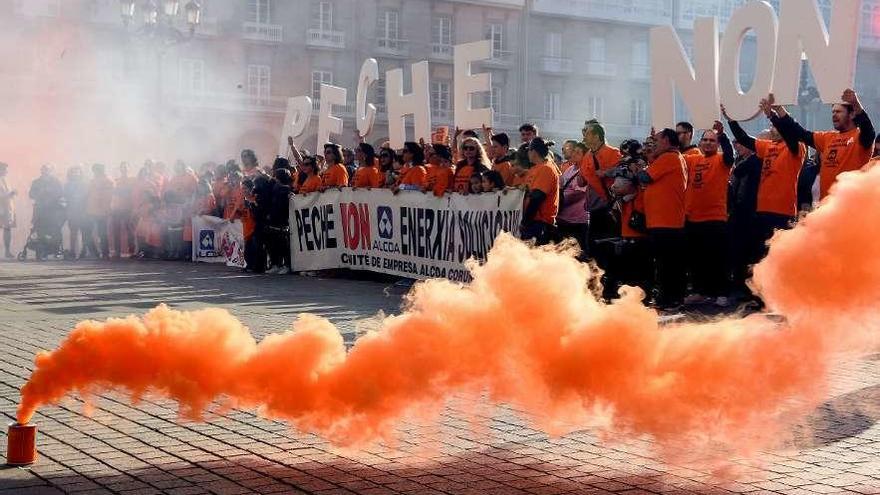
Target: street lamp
(162, 25)
(151, 13)
(126, 10)
(170, 7)
(193, 15)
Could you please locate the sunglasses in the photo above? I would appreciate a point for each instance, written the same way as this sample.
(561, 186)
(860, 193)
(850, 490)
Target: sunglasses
(469, 148)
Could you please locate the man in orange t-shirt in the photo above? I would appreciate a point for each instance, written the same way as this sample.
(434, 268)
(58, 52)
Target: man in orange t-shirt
(665, 182)
(542, 198)
(706, 215)
(781, 164)
(848, 147)
(595, 172)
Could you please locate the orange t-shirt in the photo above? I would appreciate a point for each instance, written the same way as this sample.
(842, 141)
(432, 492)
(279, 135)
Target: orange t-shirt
(462, 181)
(664, 196)
(414, 176)
(311, 184)
(841, 152)
(234, 203)
(439, 179)
(692, 152)
(505, 169)
(183, 185)
(777, 190)
(368, 177)
(545, 178)
(637, 204)
(336, 175)
(607, 157)
(518, 180)
(708, 180)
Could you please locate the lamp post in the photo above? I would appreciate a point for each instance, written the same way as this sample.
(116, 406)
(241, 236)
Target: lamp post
(153, 17)
(808, 97)
(158, 27)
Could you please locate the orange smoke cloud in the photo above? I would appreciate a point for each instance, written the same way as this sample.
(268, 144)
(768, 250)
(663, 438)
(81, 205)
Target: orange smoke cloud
(528, 332)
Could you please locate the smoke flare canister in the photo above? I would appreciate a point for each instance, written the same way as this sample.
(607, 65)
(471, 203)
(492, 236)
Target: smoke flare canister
(21, 447)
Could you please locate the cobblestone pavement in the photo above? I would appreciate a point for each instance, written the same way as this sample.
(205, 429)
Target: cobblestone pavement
(474, 448)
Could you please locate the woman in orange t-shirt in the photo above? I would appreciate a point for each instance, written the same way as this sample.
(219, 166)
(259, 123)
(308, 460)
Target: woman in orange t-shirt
(475, 161)
(413, 176)
(312, 183)
(335, 175)
(367, 174)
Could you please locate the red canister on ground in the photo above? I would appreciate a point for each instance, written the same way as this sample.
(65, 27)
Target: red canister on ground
(21, 448)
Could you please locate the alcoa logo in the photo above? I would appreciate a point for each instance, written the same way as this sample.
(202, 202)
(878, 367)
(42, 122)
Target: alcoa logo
(386, 222)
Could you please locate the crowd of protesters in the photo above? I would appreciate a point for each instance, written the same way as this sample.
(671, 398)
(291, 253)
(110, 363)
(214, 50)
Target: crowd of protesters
(683, 221)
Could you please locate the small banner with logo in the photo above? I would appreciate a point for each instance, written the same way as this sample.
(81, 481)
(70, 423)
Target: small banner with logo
(410, 234)
(216, 240)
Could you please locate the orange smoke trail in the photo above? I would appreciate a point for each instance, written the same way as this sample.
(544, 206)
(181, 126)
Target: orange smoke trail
(529, 332)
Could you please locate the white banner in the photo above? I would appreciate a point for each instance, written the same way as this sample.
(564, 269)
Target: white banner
(410, 234)
(216, 240)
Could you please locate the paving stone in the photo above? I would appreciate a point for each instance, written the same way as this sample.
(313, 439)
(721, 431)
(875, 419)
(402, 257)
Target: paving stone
(478, 448)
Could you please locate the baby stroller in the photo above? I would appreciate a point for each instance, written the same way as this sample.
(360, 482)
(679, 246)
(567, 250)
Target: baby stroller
(45, 236)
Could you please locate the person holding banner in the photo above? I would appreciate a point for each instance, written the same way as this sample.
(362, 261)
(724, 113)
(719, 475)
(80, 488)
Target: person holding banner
(475, 161)
(440, 177)
(413, 174)
(848, 147)
(368, 174)
(387, 161)
(312, 182)
(542, 198)
(335, 174)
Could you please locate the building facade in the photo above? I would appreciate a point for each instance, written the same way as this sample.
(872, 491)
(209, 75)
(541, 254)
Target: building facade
(555, 63)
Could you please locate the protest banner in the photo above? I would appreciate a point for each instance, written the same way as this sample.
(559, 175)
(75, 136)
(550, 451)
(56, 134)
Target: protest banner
(216, 240)
(409, 234)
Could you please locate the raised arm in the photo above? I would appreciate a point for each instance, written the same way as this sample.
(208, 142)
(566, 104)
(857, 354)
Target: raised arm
(724, 141)
(294, 152)
(741, 136)
(860, 119)
(788, 128)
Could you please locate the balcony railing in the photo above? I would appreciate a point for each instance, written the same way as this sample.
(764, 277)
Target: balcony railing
(601, 69)
(500, 58)
(321, 38)
(392, 47)
(640, 71)
(441, 51)
(651, 12)
(556, 65)
(258, 31)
